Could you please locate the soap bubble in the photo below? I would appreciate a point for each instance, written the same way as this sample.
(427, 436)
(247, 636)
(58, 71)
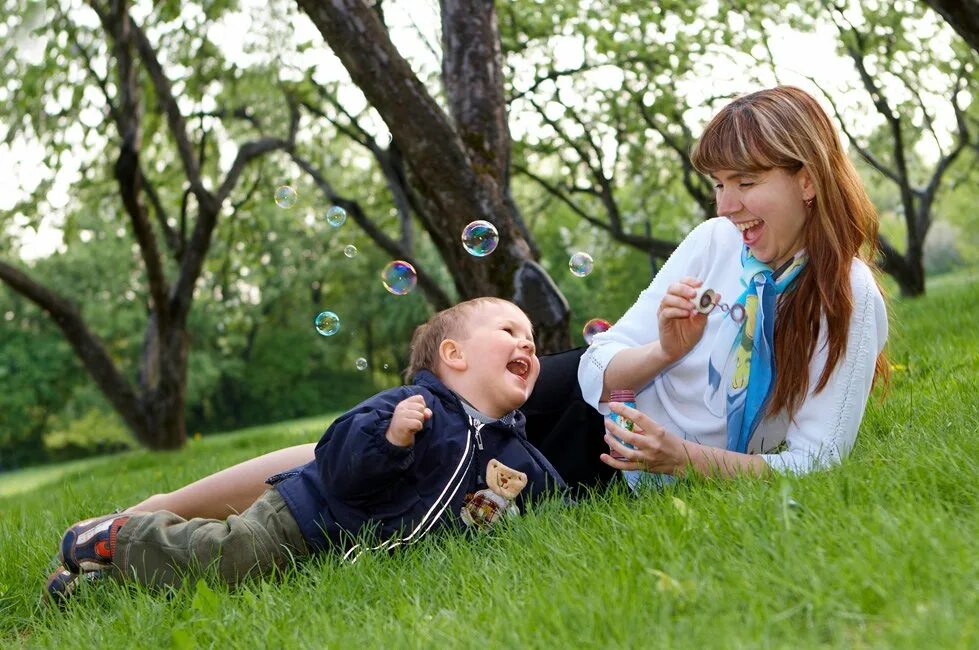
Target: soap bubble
(385, 366)
(285, 197)
(480, 238)
(336, 216)
(581, 264)
(327, 323)
(361, 363)
(399, 277)
(350, 250)
(593, 327)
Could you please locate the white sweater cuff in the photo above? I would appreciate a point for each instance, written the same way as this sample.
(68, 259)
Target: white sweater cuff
(591, 371)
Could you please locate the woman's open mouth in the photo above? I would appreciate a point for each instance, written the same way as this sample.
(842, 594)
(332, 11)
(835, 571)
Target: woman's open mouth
(750, 230)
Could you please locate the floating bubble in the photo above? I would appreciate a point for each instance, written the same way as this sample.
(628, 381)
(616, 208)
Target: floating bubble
(385, 366)
(285, 197)
(399, 277)
(593, 327)
(361, 363)
(350, 250)
(581, 264)
(480, 238)
(336, 216)
(327, 323)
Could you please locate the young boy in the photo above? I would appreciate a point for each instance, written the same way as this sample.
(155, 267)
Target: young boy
(449, 449)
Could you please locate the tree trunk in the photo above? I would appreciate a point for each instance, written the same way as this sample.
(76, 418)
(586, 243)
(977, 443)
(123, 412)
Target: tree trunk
(459, 165)
(908, 270)
(962, 15)
(163, 387)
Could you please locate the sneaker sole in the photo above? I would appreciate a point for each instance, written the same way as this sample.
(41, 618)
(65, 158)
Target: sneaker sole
(67, 556)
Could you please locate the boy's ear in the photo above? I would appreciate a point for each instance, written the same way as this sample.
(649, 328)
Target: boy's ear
(452, 355)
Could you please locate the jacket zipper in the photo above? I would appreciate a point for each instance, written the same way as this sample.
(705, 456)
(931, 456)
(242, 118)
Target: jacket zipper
(476, 427)
(354, 553)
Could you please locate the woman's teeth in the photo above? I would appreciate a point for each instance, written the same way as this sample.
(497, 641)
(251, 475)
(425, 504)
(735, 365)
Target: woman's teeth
(748, 224)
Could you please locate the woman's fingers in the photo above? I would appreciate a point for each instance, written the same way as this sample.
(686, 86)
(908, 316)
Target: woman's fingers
(647, 425)
(678, 300)
(624, 452)
(672, 301)
(612, 461)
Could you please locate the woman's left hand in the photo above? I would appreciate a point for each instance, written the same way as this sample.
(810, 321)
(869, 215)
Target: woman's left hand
(656, 450)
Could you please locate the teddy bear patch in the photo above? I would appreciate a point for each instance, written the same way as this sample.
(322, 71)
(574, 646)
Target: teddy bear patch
(485, 507)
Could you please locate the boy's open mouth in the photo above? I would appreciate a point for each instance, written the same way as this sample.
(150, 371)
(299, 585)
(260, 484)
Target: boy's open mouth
(519, 367)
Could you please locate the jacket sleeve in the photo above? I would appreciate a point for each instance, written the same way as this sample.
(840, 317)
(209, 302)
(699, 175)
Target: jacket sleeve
(354, 457)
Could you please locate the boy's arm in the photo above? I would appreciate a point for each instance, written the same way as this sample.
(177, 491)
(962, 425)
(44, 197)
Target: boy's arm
(356, 457)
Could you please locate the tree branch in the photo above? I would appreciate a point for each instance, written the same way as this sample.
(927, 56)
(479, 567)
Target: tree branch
(692, 180)
(865, 153)
(175, 119)
(160, 212)
(128, 172)
(86, 345)
(438, 298)
(946, 160)
(659, 247)
(893, 120)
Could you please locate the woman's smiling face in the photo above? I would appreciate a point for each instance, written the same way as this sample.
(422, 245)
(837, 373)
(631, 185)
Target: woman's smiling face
(767, 207)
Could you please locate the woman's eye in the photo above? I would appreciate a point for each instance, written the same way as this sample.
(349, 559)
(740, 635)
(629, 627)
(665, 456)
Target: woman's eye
(746, 184)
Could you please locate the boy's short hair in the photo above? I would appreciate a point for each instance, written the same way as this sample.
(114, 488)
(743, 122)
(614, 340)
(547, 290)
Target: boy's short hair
(448, 323)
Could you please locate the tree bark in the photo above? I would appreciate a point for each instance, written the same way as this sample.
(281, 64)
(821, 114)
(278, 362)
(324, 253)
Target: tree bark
(153, 409)
(459, 165)
(962, 15)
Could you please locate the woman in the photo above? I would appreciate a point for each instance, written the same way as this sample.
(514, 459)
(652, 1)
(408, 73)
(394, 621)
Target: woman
(783, 388)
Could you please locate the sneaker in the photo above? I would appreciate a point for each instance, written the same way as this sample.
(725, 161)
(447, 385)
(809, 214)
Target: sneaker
(89, 545)
(61, 585)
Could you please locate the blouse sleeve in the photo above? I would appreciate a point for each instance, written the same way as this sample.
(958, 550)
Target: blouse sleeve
(825, 427)
(640, 324)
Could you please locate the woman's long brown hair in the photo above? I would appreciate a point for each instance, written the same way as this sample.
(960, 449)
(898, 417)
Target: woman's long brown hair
(784, 127)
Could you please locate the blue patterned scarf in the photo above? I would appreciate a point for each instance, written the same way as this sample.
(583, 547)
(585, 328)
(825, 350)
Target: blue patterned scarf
(743, 357)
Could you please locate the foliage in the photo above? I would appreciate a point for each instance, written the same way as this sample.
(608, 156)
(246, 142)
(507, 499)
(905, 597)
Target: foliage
(38, 371)
(878, 552)
(95, 433)
(603, 101)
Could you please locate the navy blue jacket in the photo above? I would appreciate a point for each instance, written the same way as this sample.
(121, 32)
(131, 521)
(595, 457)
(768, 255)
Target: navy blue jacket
(360, 479)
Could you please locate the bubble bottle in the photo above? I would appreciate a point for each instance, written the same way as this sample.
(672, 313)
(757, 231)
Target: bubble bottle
(627, 397)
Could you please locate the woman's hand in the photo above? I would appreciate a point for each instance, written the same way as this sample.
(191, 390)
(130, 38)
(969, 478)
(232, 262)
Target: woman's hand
(680, 324)
(656, 450)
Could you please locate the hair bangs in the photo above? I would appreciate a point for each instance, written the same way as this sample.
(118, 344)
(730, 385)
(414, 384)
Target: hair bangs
(735, 139)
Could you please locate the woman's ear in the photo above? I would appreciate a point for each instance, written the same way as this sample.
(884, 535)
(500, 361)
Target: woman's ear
(806, 186)
(452, 355)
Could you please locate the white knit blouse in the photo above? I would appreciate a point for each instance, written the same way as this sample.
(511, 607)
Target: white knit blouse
(825, 426)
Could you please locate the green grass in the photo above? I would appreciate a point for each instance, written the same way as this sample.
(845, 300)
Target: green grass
(880, 552)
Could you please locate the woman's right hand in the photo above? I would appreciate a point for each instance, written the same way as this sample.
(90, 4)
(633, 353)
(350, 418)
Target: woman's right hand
(680, 324)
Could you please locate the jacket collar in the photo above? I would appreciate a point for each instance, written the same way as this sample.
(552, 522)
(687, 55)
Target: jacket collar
(428, 379)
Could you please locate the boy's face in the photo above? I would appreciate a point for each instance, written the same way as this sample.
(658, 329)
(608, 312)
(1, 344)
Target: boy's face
(501, 364)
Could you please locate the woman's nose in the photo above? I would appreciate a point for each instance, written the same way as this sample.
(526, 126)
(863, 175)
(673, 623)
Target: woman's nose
(728, 202)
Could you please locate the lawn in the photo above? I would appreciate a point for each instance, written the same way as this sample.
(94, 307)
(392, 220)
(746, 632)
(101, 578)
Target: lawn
(879, 552)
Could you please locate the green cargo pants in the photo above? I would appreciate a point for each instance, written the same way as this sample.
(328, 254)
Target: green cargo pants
(161, 548)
